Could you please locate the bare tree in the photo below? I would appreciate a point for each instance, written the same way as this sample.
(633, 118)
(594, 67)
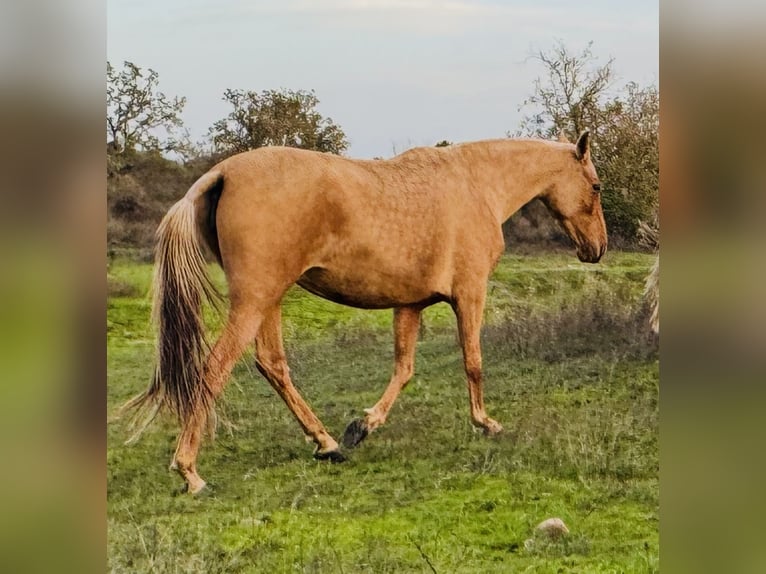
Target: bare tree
(568, 98)
(139, 116)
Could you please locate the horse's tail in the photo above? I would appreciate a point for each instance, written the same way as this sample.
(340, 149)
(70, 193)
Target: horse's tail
(180, 284)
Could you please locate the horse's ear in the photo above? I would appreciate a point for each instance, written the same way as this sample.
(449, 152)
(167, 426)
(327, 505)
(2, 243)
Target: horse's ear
(583, 146)
(563, 137)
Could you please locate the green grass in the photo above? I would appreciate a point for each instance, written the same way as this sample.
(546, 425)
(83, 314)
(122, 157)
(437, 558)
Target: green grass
(569, 372)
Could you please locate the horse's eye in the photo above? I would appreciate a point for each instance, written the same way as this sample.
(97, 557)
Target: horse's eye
(596, 187)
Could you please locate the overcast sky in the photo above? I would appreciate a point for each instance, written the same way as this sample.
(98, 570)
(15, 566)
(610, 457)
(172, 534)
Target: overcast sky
(391, 73)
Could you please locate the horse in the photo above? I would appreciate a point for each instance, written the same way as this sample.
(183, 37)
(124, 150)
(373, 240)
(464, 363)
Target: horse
(420, 228)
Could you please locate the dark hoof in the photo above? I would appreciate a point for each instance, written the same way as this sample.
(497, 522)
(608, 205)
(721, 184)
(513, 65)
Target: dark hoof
(334, 456)
(355, 433)
(181, 490)
(207, 491)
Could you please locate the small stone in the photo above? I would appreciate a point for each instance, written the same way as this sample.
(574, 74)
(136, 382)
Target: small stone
(553, 527)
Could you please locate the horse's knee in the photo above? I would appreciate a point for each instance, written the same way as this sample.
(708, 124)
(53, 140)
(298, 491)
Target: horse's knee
(473, 372)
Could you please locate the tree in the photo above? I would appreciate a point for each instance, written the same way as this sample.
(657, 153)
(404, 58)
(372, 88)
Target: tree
(567, 99)
(628, 160)
(443, 143)
(275, 117)
(574, 94)
(138, 113)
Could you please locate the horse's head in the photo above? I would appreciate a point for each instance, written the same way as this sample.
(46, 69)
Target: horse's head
(575, 200)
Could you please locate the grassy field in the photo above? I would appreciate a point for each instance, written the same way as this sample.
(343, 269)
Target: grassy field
(570, 372)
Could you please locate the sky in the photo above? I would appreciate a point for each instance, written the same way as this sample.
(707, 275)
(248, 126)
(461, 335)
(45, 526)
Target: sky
(393, 74)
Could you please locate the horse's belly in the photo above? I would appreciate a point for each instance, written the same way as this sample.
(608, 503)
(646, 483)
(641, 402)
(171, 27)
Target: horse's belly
(370, 289)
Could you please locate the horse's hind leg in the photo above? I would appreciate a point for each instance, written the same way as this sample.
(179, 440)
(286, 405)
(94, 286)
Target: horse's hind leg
(236, 336)
(406, 325)
(272, 363)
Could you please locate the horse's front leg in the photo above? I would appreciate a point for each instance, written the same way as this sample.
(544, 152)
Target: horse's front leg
(469, 308)
(406, 325)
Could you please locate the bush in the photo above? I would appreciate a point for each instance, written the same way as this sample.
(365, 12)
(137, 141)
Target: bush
(141, 187)
(534, 225)
(604, 323)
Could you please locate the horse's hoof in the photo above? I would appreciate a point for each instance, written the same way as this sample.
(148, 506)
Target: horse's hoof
(493, 429)
(355, 433)
(201, 490)
(180, 491)
(334, 456)
(205, 491)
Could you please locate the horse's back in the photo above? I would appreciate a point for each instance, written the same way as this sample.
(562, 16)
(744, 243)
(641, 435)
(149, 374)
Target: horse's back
(310, 193)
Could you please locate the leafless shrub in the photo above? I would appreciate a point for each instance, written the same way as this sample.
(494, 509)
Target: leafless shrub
(602, 323)
(534, 225)
(118, 288)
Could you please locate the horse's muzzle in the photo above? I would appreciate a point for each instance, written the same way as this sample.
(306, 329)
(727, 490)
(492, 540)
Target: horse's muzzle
(590, 253)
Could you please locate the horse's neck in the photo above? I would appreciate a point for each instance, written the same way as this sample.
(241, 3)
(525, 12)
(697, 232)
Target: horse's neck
(511, 173)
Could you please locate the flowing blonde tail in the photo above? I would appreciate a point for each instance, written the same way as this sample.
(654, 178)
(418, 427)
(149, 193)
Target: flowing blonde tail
(180, 284)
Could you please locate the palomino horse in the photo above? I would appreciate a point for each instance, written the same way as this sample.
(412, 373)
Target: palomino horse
(406, 233)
